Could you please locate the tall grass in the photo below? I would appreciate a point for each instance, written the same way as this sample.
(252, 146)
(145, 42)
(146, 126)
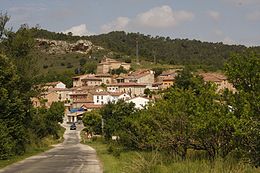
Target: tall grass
(158, 162)
(155, 163)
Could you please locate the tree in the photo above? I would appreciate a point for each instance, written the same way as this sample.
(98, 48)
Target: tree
(92, 122)
(56, 112)
(12, 112)
(243, 71)
(158, 71)
(70, 33)
(90, 67)
(114, 116)
(147, 92)
(82, 61)
(184, 79)
(54, 116)
(118, 71)
(4, 18)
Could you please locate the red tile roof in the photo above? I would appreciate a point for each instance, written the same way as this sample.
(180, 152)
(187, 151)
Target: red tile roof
(78, 94)
(213, 77)
(91, 78)
(168, 78)
(51, 83)
(59, 89)
(103, 75)
(91, 105)
(115, 93)
(83, 76)
(101, 93)
(127, 84)
(83, 101)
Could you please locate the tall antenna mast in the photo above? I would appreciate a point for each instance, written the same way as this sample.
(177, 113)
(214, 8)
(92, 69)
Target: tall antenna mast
(154, 57)
(137, 52)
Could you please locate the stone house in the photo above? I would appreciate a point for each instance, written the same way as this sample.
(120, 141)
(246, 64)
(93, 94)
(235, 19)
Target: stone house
(105, 78)
(80, 98)
(63, 94)
(167, 78)
(91, 106)
(91, 81)
(77, 80)
(143, 76)
(108, 64)
(50, 97)
(167, 82)
(219, 79)
(130, 88)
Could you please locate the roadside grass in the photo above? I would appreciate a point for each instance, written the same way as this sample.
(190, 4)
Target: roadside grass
(116, 160)
(34, 149)
(111, 163)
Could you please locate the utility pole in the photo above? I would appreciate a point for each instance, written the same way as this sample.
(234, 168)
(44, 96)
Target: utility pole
(137, 52)
(154, 57)
(102, 126)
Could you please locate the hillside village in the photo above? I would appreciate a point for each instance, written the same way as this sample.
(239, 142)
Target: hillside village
(92, 91)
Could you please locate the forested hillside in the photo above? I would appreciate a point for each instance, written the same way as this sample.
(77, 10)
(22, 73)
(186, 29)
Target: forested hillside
(205, 55)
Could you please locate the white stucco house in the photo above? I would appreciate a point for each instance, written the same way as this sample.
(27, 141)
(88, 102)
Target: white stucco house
(140, 102)
(103, 97)
(100, 98)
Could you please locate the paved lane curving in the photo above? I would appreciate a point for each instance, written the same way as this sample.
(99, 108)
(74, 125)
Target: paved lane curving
(68, 157)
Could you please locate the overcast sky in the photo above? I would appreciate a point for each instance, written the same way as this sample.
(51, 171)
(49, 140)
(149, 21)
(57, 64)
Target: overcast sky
(229, 21)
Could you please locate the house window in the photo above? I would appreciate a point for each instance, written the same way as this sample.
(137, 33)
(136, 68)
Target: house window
(102, 102)
(101, 97)
(97, 97)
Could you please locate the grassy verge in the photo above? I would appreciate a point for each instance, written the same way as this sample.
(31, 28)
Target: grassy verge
(111, 163)
(34, 149)
(120, 161)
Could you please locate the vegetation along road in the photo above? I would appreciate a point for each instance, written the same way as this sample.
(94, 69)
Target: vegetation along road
(70, 156)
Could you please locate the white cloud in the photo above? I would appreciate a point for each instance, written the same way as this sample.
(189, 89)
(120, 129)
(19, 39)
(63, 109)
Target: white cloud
(162, 17)
(228, 40)
(254, 16)
(156, 18)
(79, 30)
(219, 36)
(214, 15)
(119, 24)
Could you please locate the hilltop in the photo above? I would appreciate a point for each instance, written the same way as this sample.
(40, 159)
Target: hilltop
(163, 50)
(56, 62)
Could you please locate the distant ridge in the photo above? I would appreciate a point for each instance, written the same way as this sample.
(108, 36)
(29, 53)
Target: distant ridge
(164, 49)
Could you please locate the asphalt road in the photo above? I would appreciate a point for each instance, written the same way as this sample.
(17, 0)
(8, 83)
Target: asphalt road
(68, 157)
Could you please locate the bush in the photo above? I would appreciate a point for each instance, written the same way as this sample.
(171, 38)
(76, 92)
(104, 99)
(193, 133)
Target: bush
(69, 65)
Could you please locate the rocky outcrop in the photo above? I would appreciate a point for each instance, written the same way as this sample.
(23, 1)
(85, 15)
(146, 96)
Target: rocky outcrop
(62, 47)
